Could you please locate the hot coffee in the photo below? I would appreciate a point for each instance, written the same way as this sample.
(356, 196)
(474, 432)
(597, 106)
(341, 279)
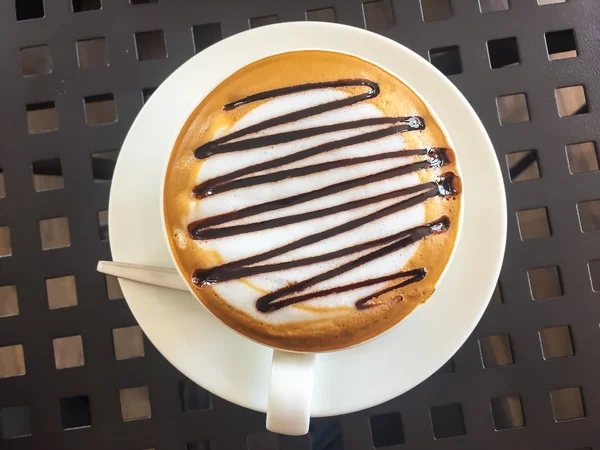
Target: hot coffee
(312, 201)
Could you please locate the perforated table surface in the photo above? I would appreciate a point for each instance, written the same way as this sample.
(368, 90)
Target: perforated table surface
(76, 371)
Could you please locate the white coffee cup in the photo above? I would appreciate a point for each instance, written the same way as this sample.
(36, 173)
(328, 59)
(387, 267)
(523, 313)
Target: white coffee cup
(293, 375)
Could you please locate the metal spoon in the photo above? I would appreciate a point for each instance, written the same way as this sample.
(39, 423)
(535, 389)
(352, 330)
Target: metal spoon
(156, 276)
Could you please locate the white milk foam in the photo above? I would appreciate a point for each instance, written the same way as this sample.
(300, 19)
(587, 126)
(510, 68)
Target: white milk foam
(242, 295)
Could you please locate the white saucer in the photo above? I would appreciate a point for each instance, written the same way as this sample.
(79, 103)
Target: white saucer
(237, 369)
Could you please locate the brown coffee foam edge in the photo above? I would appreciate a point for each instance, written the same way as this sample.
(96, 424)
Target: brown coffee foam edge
(396, 99)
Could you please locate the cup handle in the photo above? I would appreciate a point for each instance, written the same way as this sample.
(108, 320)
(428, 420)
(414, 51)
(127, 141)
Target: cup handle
(290, 392)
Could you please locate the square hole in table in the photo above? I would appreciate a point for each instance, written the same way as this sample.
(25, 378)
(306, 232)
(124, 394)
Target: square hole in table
(550, 2)
(35, 60)
(325, 433)
(61, 292)
(387, 429)
(561, 44)
(263, 441)
(192, 396)
(147, 93)
(507, 412)
(446, 59)
(571, 101)
(567, 404)
(497, 296)
(589, 215)
(92, 53)
(103, 224)
(503, 52)
(512, 109)
(135, 403)
(12, 361)
(594, 273)
(322, 15)
(523, 166)
(432, 10)
(150, 45)
(113, 288)
(29, 9)
(15, 422)
(47, 175)
(100, 109)
(533, 223)
(487, 6)
(5, 245)
(206, 35)
(9, 302)
(496, 351)
(86, 5)
(41, 117)
(447, 421)
(55, 233)
(128, 342)
(378, 15)
(545, 282)
(256, 22)
(103, 165)
(201, 444)
(582, 157)
(68, 352)
(75, 412)
(556, 342)
(2, 186)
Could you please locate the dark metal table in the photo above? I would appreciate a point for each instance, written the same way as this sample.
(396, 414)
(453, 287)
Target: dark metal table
(76, 371)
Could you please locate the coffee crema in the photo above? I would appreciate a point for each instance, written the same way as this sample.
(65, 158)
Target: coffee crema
(312, 201)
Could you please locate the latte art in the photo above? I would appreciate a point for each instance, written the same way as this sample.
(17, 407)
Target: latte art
(311, 212)
(246, 177)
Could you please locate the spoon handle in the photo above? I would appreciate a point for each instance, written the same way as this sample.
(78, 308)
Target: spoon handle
(156, 276)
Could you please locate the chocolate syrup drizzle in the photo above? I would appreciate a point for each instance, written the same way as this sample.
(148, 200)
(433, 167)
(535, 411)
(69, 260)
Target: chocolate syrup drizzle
(216, 226)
